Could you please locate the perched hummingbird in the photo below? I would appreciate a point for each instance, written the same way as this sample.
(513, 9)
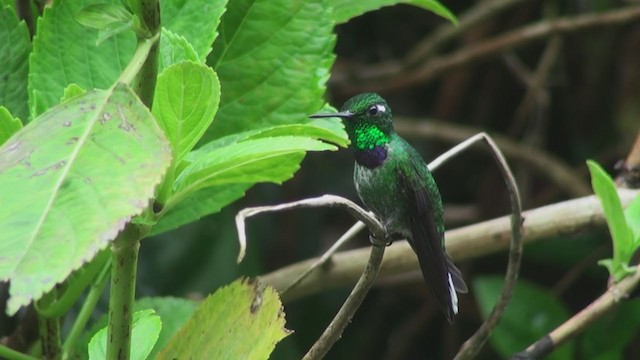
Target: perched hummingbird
(394, 182)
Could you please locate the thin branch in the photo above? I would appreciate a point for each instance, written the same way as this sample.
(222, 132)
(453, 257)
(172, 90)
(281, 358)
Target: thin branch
(630, 168)
(469, 242)
(437, 66)
(472, 346)
(572, 327)
(546, 164)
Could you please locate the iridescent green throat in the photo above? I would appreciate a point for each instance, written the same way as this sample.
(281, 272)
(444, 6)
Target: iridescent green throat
(368, 136)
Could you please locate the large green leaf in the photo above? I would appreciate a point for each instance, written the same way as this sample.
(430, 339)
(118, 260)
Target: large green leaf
(343, 10)
(15, 46)
(532, 313)
(186, 99)
(146, 326)
(8, 125)
(200, 203)
(196, 20)
(621, 235)
(272, 159)
(243, 320)
(64, 52)
(70, 181)
(273, 59)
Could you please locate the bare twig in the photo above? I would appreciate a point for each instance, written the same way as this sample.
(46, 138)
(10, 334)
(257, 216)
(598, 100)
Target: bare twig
(630, 169)
(612, 297)
(462, 244)
(472, 346)
(437, 66)
(546, 164)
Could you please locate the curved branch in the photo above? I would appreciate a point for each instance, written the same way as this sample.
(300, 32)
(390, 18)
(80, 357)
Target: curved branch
(464, 243)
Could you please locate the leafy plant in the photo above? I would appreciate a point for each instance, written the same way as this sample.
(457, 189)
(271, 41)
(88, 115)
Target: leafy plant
(139, 119)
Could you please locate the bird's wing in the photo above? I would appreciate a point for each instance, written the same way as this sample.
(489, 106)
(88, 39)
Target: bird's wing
(427, 239)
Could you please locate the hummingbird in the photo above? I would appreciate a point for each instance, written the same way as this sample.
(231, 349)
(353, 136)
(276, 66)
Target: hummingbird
(394, 182)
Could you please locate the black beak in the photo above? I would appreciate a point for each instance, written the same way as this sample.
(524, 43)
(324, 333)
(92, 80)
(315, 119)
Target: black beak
(342, 115)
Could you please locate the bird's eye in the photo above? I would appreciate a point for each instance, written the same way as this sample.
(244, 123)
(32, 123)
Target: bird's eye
(374, 110)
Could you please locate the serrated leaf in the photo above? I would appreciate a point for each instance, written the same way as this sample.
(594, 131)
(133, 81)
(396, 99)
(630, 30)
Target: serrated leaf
(79, 172)
(65, 52)
(202, 202)
(632, 217)
(621, 235)
(8, 125)
(71, 91)
(174, 49)
(293, 42)
(196, 20)
(531, 314)
(186, 99)
(256, 160)
(243, 320)
(15, 46)
(343, 10)
(146, 326)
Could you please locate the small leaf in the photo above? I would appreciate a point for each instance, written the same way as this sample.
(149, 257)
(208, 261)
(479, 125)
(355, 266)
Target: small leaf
(632, 216)
(343, 10)
(70, 181)
(532, 313)
(174, 49)
(15, 46)
(243, 320)
(100, 16)
(621, 235)
(71, 91)
(186, 99)
(8, 125)
(146, 327)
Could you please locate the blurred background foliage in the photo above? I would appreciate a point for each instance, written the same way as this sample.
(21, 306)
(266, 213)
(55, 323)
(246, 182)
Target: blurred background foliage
(570, 95)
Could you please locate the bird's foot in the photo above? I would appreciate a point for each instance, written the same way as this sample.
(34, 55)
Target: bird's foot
(380, 242)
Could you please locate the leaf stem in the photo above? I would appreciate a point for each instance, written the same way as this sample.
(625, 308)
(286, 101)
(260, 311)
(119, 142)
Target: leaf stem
(49, 330)
(123, 286)
(10, 354)
(97, 287)
(139, 60)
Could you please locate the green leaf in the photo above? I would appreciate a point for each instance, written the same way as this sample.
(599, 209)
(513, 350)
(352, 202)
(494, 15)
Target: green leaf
(174, 49)
(8, 125)
(65, 52)
(196, 20)
(621, 235)
(71, 91)
(273, 159)
(610, 335)
(243, 320)
(200, 203)
(532, 313)
(273, 59)
(70, 181)
(632, 217)
(343, 10)
(146, 326)
(103, 15)
(186, 99)
(15, 46)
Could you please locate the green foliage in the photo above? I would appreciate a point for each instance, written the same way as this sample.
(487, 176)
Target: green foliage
(608, 337)
(14, 51)
(146, 329)
(108, 19)
(8, 125)
(531, 314)
(343, 10)
(243, 320)
(625, 241)
(174, 49)
(53, 190)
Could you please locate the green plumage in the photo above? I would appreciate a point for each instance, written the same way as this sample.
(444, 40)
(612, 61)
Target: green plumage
(394, 182)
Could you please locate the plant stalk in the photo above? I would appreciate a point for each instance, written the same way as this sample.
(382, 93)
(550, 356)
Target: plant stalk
(49, 330)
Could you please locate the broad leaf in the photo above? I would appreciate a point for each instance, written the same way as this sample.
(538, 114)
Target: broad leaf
(621, 235)
(8, 125)
(293, 41)
(532, 313)
(70, 181)
(200, 203)
(196, 20)
(186, 99)
(146, 326)
(343, 10)
(174, 49)
(15, 46)
(243, 320)
(64, 52)
(273, 159)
